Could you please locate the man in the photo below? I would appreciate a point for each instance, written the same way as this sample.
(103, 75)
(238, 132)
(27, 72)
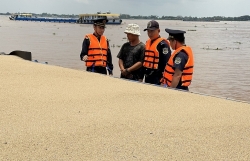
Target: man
(131, 54)
(179, 69)
(95, 50)
(157, 53)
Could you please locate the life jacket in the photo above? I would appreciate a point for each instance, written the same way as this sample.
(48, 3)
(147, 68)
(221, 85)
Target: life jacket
(151, 59)
(97, 52)
(187, 73)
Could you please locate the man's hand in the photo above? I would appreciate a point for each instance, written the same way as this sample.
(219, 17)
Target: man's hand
(124, 72)
(85, 57)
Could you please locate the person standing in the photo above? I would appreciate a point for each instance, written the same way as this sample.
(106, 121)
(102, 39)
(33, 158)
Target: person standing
(157, 53)
(179, 69)
(95, 50)
(131, 54)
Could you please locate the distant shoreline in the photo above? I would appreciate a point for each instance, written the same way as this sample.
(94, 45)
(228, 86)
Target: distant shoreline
(127, 16)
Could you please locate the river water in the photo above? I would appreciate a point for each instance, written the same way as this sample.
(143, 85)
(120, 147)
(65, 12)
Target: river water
(221, 49)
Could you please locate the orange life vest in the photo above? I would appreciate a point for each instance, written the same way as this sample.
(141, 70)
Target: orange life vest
(97, 52)
(187, 73)
(151, 59)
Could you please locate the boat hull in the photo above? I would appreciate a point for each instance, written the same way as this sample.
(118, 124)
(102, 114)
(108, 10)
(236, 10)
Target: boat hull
(41, 19)
(63, 20)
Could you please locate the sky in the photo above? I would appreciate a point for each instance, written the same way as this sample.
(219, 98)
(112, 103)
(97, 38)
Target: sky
(194, 8)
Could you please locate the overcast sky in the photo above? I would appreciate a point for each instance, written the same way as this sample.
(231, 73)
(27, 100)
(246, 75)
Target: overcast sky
(199, 8)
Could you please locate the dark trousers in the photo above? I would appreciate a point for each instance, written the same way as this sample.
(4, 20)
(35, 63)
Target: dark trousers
(130, 77)
(182, 88)
(101, 70)
(151, 76)
(152, 79)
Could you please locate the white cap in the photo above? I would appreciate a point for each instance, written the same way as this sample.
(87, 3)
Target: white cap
(133, 29)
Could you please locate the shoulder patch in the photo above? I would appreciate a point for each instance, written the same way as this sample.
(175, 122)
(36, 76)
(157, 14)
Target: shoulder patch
(177, 60)
(165, 50)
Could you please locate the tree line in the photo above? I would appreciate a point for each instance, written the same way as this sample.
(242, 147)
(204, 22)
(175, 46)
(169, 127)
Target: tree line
(187, 18)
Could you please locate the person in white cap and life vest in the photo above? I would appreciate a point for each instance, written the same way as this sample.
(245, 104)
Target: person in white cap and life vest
(179, 69)
(131, 54)
(95, 50)
(157, 53)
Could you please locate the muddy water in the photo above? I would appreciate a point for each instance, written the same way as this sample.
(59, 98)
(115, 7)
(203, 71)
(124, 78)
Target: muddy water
(221, 49)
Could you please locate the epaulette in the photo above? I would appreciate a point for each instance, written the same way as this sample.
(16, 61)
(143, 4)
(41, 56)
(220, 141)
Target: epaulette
(164, 43)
